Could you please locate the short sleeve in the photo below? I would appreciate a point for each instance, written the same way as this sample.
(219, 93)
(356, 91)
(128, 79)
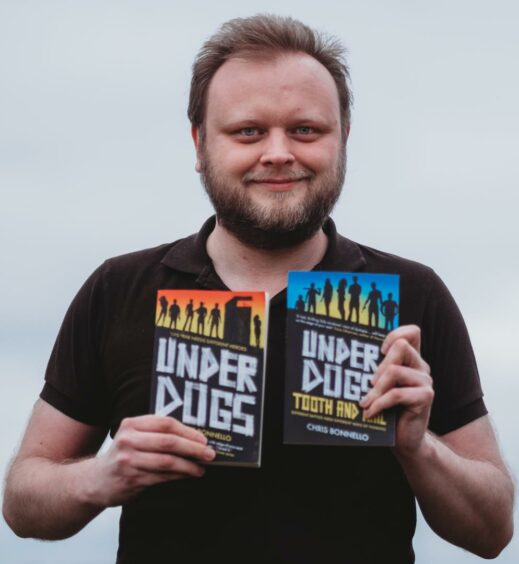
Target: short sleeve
(446, 347)
(74, 381)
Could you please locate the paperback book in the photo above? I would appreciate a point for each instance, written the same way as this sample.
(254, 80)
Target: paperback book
(336, 323)
(208, 367)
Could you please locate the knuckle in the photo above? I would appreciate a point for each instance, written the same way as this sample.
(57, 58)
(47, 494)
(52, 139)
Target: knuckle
(122, 459)
(124, 440)
(397, 395)
(169, 443)
(165, 463)
(163, 425)
(126, 423)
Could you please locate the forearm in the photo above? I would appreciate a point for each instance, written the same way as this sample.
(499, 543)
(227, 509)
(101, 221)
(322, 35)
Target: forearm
(48, 500)
(467, 502)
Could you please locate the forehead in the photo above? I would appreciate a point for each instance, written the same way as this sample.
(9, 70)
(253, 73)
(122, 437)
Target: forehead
(282, 86)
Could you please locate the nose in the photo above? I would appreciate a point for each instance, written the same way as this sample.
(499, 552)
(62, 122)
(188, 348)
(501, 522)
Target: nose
(277, 150)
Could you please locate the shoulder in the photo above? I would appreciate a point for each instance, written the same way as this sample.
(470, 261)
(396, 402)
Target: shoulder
(422, 291)
(377, 261)
(174, 255)
(137, 260)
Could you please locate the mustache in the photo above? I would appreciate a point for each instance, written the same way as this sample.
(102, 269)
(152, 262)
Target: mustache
(289, 174)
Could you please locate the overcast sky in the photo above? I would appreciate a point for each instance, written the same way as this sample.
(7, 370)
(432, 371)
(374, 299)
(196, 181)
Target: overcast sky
(96, 160)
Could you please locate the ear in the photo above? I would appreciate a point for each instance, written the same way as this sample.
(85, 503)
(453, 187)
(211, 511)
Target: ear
(195, 134)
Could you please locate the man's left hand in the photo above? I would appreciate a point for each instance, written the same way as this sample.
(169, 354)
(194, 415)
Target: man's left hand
(403, 378)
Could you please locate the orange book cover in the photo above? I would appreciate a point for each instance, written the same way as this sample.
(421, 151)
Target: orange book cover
(208, 367)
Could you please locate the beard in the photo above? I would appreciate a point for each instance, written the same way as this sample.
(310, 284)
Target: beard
(283, 223)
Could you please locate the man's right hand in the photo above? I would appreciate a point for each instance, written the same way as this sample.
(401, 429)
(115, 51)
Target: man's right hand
(57, 483)
(146, 450)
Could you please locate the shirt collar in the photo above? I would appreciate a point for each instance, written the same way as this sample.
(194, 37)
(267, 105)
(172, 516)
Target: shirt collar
(190, 254)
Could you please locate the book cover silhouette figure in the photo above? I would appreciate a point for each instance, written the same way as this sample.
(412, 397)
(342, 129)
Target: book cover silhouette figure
(257, 329)
(163, 301)
(215, 317)
(300, 304)
(327, 296)
(189, 316)
(374, 297)
(389, 309)
(311, 298)
(354, 292)
(341, 297)
(174, 314)
(201, 312)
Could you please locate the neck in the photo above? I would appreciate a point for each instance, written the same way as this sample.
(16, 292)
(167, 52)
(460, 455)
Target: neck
(242, 267)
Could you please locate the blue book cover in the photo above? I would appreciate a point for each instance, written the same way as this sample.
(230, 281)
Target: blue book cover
(336, 323)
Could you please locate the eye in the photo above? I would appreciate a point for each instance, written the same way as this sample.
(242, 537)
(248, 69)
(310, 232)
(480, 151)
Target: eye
(248, 131)
(304, 130)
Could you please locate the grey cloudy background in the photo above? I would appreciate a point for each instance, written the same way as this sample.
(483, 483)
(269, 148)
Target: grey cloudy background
(96, 160)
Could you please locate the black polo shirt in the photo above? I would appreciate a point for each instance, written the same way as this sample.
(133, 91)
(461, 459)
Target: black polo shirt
(306, 503)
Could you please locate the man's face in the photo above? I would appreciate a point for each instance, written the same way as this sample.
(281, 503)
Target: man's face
(273, 156)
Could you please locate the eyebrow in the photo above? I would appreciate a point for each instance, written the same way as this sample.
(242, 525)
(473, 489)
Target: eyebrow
(245, 121)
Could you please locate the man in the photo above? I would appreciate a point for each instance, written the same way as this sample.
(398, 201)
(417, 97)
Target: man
(374, 298)
(354, 291)
(269, 108)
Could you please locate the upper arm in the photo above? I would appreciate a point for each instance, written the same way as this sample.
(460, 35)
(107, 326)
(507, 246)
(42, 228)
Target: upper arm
(476, 440)
(53, 435)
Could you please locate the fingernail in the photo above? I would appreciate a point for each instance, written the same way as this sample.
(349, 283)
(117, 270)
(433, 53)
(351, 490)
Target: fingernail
(209, 453)
(365, 400)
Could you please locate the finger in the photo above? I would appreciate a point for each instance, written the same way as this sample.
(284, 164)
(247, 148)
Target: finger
(396, 376)
(163, 424)
(419, 397)
(411, 333)
(165, 463)
(166, 443)
(401, 353)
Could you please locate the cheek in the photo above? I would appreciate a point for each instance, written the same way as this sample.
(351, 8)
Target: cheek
(236, 160)
(319, 157)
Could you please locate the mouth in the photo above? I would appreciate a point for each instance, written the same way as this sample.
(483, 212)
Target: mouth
(279, 184)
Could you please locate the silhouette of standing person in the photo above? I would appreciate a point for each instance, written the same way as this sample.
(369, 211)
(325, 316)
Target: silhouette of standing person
(327, 296)
(300, 304)
(389, 309)
(189, 316)
(354, 291)
(257, 329)
(311, 298)
(374, 297)
(215, 316)
(163, 309)
(174, 314)
(341, 297)
(201, 311)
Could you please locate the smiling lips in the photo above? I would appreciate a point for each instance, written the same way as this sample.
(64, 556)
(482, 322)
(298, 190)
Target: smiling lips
(279, 184)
